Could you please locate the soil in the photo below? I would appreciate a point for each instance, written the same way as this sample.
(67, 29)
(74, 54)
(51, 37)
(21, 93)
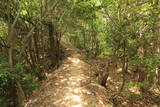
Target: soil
(76, 84)
(70, 85)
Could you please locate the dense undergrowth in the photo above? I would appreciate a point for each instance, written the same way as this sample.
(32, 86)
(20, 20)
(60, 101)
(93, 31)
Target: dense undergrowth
(31, 33)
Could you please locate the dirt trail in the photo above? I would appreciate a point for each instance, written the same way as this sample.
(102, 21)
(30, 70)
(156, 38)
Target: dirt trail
(70, 85)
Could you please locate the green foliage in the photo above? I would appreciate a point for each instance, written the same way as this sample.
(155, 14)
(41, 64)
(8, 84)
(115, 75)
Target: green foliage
(3, 29)
(7, 75)
(130, 84)
(100, 27)
(28, 84)
(4, 101)
(8, 78)
(142, 84)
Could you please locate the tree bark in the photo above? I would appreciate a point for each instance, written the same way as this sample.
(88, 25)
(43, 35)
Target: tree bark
(54, 42)
(125, 67)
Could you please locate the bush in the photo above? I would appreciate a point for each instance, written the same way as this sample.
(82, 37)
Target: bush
(8, 78)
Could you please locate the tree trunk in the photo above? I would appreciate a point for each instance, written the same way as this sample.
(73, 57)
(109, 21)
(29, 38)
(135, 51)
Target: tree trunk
(156, 28)
(35, 39)
(18, 96)
(124, 68)
(54, 44)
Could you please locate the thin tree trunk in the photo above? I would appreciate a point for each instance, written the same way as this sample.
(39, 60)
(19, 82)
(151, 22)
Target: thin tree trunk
(35, 39)
(52, 44)
(156, 28)
(20, 95)
(124, 68)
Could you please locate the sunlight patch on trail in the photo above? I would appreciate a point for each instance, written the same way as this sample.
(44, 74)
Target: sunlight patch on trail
(78, 78)
(79, 105)
(73, 98)
(68, 85)
(74, 60)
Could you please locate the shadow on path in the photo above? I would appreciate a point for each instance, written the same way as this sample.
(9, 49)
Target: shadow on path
(69, 86)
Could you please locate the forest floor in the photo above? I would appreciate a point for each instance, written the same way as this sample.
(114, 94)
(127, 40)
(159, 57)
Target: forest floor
(74, 84)
(70, 85)
(131, 96)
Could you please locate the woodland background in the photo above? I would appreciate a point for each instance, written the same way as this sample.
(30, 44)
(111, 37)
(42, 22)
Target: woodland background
(31, 32)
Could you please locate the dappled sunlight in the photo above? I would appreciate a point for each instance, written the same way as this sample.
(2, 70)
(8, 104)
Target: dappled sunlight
(119, 70)
(65, 66)
(109, 78)
(100, 101)
(61, 76)
(135, 90)
(79, 105)
(78, 78)
(117, 87)
(63, 80)
(72, 83)
(76, 90)
(74, 60)
(68, 86)
(124, 103)
(74, 98)
(73, 80)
